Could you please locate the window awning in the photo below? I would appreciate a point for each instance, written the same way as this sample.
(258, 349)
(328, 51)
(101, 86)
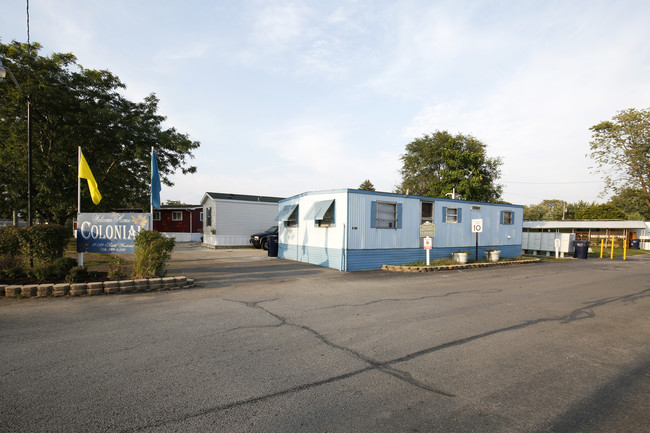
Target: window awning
(318, 209)
(286, 212)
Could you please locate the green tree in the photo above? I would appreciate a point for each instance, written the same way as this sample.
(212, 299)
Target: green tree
(601, 212)
(632, 202)
(621, 150)
(366, 185)
(554, 210)
(435, 164)
(73, 106)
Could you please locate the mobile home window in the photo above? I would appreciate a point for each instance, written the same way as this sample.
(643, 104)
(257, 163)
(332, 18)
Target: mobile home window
(451, 215)
(507, 217)
(327, 219)
(322, 212)
(386, 215)
(427, 213)
(292, 219)
(288, 215)
(156, 215)
(209, 217)
(201, 216)
(475, 208)
(177, 216)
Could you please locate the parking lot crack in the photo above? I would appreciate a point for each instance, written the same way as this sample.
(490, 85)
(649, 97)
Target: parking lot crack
(388, 367)
(420, 298)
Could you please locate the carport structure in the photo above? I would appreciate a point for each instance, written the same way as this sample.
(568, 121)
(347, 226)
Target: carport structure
(595, 230)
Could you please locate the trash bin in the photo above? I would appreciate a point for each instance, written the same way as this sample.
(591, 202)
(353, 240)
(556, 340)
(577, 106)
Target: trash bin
(581, 248)
(634, 244)
(273, 245)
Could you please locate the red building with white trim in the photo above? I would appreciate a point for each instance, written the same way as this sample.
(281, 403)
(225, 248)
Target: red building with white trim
(176, 220)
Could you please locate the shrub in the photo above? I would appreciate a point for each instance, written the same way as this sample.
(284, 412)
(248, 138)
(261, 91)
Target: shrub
(8, 261)
(76, 275)
(116, 268)
(152, 252)
(9, 241)
(15, 273)
(64, 264)
(44, 243)
(45, 272)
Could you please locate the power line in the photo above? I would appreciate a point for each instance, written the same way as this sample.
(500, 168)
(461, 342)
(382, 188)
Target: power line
(552, 183)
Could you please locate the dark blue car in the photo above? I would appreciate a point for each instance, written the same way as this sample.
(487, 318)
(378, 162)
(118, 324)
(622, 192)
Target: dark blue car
(260, 240)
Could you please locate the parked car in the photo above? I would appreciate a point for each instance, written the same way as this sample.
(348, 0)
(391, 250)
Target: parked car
(260, 240)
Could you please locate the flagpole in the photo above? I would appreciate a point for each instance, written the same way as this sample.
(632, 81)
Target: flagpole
(80, 261)
(78, 181)
(151, 191)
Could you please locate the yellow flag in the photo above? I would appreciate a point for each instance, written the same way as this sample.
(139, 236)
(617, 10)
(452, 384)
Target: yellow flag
(85, 173)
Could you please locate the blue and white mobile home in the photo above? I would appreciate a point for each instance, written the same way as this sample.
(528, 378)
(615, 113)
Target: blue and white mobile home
(353, 230)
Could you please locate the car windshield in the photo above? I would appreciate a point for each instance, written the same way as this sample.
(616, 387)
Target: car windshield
(272, 229)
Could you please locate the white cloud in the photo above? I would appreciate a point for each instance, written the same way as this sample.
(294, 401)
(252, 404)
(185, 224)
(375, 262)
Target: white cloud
(278, 24)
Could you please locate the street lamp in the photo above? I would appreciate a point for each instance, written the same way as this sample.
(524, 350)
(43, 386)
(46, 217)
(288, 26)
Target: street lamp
(3, 73)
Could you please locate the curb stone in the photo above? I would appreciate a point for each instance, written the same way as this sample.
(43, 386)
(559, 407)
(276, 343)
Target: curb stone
(77, 289)
(96, 288)
(61, 289)
(44, 290)
(397, 268)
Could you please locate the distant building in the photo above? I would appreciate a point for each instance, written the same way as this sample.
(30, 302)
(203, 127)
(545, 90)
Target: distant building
(230, 219)
(354, 230)
(182, 222)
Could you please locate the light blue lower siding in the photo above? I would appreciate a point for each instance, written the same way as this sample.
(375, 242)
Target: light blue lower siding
(328, 257)
(364, 260)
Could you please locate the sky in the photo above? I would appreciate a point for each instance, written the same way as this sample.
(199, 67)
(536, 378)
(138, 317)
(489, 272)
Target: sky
(287, 97)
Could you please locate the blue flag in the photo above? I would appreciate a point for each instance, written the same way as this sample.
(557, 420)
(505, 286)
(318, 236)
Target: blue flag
(155, 182)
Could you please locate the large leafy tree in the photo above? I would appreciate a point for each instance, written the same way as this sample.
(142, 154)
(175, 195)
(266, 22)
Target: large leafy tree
(631, 202)
(605, 211)
(621, 149)
(435, 164)
(73, 106)
(554, 210)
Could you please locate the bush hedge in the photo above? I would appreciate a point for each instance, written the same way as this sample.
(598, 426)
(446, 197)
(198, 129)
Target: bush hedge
(152, 252)
(42, 244)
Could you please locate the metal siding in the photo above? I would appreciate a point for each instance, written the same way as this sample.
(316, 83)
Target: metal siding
(369, 248)
(495, 234)
(243, 218)
(365, 260)
(363, 236)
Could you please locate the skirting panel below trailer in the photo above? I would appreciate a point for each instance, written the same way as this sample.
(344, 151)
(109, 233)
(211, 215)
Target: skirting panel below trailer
(328, 257)
(365, 260)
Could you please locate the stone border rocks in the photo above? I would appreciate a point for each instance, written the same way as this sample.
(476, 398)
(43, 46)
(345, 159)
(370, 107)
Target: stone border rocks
(398, 268)
(96, 288)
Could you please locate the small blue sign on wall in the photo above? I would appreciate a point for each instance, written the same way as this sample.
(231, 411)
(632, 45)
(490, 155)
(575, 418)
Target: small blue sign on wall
(109, 232)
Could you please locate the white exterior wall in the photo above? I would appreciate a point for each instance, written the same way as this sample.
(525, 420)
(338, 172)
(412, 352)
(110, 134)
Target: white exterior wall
(307, 233)
(234, 221)
(183, 237)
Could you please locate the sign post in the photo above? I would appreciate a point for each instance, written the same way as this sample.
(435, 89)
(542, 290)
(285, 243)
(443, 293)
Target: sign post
(428, 231)
(477, 227)
(428, 243)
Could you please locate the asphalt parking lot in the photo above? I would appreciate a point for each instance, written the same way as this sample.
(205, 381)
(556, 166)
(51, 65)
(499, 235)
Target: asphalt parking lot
(270, 345)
